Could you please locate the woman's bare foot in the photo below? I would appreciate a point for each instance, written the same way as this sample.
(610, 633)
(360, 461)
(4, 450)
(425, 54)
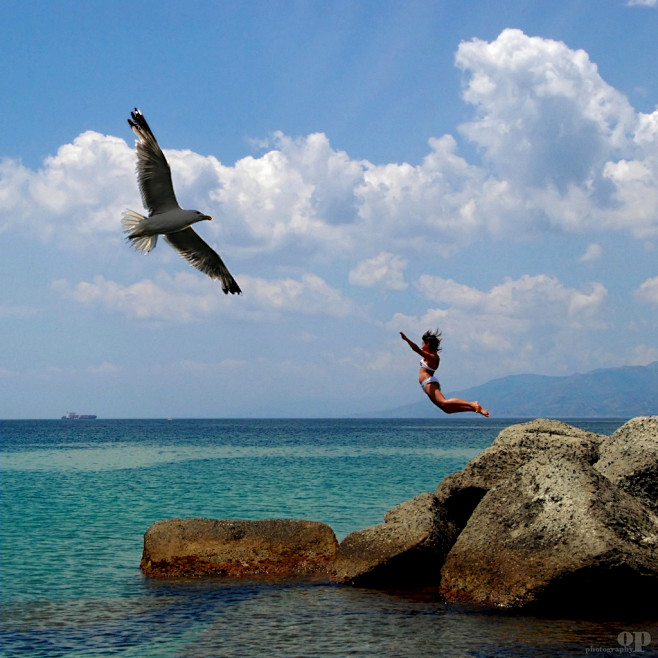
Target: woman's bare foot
(479, 409)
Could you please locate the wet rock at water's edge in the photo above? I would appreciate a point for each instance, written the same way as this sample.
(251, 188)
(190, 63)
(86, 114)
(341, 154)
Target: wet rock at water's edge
(238, 549)
(406, 550)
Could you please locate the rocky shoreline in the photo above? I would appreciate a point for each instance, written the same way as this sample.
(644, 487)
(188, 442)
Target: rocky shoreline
(549, 517)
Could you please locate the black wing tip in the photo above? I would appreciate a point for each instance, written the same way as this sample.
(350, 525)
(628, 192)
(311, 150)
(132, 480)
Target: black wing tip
(232, 288)
(132, 122)
(138, 123)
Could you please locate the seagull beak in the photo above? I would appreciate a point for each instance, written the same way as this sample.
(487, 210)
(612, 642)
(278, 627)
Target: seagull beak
(208, 217)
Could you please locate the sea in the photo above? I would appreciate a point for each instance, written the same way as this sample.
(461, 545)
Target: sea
(78, 495)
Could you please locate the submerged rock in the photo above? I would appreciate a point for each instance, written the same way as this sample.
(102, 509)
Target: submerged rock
(406, 550)
(238, 549)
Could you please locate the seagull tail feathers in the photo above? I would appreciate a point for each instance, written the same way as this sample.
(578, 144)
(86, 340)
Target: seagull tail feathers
(133, 224)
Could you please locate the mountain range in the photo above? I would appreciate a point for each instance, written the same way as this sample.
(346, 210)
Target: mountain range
(623, 392)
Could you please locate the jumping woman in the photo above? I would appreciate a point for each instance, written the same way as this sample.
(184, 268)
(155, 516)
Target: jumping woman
(430, 384)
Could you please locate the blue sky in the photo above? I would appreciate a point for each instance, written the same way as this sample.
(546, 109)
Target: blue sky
(372, 167)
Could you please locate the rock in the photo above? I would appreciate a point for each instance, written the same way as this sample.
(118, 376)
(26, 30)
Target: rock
(408, 549)
(548, 518)
(629, 458)
(554, 536)
(515, 446)
(238, 549)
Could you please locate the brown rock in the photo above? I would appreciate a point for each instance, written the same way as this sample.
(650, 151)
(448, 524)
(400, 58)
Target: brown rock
(629, 458)
(557, 536)
(406, 550)
(238, 549)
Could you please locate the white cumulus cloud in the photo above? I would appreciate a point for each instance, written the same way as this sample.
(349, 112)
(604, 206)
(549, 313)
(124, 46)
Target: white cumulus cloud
(182, 297)
(79, 192)
(592, 254)
(529, 324)
(385, 269)
(185, 297)
(544, 115)
(561, 150)
(539, 297)
(572, 149)
(648, 291)
(311, 295)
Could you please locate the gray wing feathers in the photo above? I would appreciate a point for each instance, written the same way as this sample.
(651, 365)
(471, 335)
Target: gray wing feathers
(196, 252)
(153, 173)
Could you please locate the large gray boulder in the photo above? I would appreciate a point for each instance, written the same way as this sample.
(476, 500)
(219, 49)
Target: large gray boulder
(554, 535)
(629, 458)
(516, 445)
(406, 550)
(238, 549)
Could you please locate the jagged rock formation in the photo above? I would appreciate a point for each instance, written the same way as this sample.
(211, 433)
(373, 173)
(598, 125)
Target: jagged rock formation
(556, 535)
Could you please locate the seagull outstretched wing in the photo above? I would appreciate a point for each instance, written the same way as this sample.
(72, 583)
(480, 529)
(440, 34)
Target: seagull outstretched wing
(191, 247)
(153, 173)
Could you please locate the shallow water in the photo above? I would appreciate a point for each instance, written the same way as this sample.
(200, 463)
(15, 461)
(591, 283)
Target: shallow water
(77, 497)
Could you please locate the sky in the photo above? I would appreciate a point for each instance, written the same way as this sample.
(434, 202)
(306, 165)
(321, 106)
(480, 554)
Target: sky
(371, 167)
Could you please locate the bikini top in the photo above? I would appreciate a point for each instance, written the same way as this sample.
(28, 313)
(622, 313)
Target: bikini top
(423, 364)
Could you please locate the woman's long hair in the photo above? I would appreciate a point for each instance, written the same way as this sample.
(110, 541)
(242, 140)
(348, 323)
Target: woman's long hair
(433, 340)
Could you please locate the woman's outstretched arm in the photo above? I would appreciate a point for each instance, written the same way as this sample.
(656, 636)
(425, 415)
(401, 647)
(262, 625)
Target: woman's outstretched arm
(412, 345)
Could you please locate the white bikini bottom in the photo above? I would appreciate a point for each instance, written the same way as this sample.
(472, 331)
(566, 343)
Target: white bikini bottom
(430, 380)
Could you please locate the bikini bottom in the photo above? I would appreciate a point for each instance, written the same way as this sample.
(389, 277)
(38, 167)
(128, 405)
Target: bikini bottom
(429, 380)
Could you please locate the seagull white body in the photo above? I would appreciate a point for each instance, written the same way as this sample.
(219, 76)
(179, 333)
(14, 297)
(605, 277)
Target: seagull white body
(166, 217)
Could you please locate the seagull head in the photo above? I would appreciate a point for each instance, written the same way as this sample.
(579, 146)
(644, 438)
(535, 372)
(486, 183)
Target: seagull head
(193, 216)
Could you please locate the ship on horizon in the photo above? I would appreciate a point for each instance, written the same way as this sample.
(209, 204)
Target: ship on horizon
(71, 415)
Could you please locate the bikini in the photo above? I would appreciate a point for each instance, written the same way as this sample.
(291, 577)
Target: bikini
(431, 379)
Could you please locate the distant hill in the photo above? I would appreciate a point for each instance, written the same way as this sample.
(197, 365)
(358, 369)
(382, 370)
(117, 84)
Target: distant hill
(606, 393)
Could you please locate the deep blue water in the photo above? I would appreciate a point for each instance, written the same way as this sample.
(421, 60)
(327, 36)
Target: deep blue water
(77, 497)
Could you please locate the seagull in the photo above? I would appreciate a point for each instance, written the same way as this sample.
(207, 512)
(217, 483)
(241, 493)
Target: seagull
(166, 217)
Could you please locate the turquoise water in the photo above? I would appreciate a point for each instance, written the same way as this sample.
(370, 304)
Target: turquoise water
(77, 497)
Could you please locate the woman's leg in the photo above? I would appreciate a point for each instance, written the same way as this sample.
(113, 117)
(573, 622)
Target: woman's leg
(453, 405)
